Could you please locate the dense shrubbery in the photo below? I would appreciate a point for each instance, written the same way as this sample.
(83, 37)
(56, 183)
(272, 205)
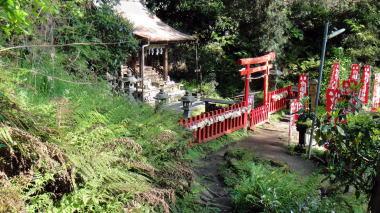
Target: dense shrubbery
(62, 149)
(229, 30)
(353, 139)
(65, 22)
(258, 186)
(66, 142)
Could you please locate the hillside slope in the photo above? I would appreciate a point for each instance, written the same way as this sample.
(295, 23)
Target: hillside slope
(67, 144)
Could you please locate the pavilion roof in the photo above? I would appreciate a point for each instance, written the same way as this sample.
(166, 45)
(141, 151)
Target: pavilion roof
(147, 25)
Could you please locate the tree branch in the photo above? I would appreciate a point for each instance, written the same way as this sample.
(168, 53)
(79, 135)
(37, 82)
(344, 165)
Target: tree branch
(61, 45)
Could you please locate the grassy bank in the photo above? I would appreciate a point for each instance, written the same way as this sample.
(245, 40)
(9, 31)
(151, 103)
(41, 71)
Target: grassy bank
(67, 144)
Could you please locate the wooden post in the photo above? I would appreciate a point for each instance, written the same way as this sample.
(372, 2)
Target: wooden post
(142, 62)
(246, 96)
(247, 76)
(266, 83)
(313, 92)
(166, 63)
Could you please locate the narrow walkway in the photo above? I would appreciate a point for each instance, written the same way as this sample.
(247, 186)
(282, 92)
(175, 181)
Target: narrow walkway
(269, 142)
(177, 106)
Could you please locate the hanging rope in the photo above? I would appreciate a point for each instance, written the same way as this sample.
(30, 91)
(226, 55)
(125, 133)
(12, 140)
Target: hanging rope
(220, 118)
(255, 78)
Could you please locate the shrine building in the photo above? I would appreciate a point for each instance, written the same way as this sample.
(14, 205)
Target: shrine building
(151, 64)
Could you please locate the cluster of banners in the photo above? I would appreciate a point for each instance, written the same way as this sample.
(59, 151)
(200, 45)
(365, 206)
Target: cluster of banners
(296, 105)
(349, 87)
(302, 86)
(335, 93)
(376, 92)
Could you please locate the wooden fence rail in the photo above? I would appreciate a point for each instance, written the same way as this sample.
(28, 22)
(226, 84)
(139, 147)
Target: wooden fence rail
(278, 99)
(258, 116)
(211, 125)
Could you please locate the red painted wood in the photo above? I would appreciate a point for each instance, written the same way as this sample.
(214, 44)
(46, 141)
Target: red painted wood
(256, 116)
(204, 128)
(248, 70)
(257, 60)
(246, 87)
(266, 83)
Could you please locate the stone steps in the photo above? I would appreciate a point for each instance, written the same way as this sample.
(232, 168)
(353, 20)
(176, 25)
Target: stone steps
(156, 82)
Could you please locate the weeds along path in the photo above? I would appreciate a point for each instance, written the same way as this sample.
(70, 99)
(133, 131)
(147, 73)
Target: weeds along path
(268, 142)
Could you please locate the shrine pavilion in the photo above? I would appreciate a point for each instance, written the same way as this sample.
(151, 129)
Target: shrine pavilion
(151, 64)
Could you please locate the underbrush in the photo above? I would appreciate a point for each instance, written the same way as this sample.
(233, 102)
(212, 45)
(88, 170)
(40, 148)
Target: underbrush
(262, 186)
(201, 150)
(68, 145)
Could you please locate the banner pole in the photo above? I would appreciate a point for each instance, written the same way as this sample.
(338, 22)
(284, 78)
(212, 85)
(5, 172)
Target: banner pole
(290, 130)
(323, 54)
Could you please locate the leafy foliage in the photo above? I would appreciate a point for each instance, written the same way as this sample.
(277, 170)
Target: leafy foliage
(137, 164)
(353, 142)
(229, 30)
(257, 186)
(82, 24)
(15, 19)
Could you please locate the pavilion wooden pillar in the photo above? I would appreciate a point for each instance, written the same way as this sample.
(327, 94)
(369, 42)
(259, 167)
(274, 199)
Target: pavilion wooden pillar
(166, 63)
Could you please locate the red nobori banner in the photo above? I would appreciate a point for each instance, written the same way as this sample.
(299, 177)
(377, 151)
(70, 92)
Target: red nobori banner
(302, 86)
(332, 96)
(295, 106)
(355, 71)
(364, 89)
(376, 92)
(334, 77)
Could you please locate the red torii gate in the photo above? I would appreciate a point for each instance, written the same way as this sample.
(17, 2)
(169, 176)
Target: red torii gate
(248, 62)
(210, 125)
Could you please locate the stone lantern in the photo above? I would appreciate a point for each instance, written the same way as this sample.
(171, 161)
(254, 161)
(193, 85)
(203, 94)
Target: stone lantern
(276, 80)
(161, 99)
(187, 102)
(131, 81)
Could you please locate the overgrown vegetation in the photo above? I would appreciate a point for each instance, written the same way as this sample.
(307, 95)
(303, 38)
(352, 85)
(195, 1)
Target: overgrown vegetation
(67, 144)
(353, 142)
(201, 150)
(263, 186)
(229, 30)
(64, 150)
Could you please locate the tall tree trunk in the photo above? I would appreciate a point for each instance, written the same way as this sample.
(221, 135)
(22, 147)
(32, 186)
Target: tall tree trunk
(374, 203)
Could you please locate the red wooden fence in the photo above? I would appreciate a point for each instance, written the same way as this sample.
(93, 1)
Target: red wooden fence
(277, 99)
(258, 116)
(211, 125)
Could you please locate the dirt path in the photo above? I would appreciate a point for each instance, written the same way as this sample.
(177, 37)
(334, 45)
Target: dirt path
(268, 142)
